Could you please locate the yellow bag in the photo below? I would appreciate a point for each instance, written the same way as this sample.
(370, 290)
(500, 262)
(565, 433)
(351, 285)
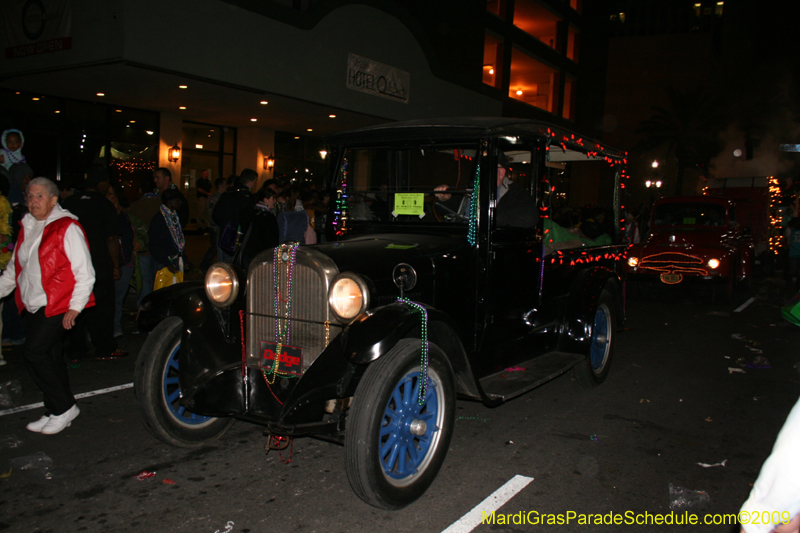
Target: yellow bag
(165, 278)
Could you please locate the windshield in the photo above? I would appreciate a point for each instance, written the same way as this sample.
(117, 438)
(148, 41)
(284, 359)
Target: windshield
(689, 214)
(408, 185)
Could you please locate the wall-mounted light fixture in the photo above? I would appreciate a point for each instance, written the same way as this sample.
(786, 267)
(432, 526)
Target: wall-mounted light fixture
(323, 154)
(269, 162)
(174, 153)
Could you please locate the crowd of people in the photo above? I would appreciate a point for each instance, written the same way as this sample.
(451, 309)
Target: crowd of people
(243, 223)
(70, 254)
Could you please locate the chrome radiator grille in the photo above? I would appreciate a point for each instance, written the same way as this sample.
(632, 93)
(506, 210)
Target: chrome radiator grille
(311, 276)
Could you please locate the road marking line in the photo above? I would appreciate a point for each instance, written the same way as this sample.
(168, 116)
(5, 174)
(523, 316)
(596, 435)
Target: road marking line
(497, 499)
(744, 305)
(77, 397)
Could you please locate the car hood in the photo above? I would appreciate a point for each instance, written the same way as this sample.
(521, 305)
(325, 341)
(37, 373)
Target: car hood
(377, 255)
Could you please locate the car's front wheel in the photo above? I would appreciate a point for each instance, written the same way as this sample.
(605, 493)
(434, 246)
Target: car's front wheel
(158, 392)
(396, 438)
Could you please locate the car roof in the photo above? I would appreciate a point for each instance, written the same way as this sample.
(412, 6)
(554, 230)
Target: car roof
(474, 127)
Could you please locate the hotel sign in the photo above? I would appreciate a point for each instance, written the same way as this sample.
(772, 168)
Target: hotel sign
(375, 78)
(37, 26)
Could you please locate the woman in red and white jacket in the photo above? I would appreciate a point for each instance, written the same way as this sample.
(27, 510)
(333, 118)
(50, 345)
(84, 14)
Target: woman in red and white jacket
(53, 272)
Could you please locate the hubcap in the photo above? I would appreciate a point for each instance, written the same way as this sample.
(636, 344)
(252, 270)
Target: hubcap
(418, 428)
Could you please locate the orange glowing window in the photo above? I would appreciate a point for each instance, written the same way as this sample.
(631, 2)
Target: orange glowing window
(533, 82)
(572, 44)
(535, 19)
(497, 7)
(492, 61)
(568, 112)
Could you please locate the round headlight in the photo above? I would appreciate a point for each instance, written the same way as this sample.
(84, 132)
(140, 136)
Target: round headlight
(222, 287)
(713, 263)
(633, 261)
(348, 296)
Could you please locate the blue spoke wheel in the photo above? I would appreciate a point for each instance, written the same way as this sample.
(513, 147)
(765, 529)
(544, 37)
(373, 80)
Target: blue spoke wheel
(158, 392)
(172, 392)
(396, 438)
(594, 369)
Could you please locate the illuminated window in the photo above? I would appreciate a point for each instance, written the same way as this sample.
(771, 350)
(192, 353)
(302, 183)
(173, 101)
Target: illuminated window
(533, 82)
(569, 98)
(572, 44)
(537, 20)
(718, 8)
(698, 8)
(498, 7)
(492, 61)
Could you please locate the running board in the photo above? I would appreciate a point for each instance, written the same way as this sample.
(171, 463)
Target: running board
(518, 380)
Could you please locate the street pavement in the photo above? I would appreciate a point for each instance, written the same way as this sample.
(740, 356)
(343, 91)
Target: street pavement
(669, 403)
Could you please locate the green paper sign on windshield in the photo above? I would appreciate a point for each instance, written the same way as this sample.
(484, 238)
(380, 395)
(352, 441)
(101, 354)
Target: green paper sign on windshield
(409, 204)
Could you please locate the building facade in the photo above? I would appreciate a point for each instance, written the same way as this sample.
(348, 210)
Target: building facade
(250, 84)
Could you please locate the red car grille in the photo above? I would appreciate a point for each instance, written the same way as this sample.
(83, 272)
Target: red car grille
(674, 263)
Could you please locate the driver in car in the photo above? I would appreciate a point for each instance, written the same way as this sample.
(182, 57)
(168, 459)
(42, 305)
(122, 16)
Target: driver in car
(515, 206)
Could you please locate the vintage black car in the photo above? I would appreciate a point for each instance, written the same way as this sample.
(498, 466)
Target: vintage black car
(428, 289)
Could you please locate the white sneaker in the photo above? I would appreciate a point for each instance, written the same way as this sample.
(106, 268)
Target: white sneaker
(39, 424)
(57, 424)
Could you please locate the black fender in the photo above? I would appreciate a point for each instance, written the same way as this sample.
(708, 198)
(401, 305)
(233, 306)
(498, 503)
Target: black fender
(368, 339)
(165, 302)
(576, 332)
(210, 357)
(336, 372)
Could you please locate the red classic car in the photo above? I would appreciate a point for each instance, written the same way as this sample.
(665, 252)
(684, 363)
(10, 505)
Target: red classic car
(694, 237)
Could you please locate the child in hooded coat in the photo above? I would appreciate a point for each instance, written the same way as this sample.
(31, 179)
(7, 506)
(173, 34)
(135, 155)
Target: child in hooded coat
(12, 141)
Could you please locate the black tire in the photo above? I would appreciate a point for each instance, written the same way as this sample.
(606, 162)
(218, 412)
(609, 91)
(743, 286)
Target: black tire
(593, 370)
(164, 419)
(375, 407)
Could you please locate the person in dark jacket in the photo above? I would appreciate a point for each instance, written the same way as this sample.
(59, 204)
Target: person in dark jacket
(233, 214)
(515, 207)
(263, 231)
(163, 179)
(132, 239)
(99, 219)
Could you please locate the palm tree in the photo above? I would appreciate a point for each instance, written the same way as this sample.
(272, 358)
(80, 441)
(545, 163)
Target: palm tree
(689, 127)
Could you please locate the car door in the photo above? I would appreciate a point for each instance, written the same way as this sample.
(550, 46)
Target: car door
(512, 327)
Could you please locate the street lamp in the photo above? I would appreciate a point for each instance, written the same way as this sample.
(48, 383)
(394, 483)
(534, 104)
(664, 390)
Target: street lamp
(652, 185)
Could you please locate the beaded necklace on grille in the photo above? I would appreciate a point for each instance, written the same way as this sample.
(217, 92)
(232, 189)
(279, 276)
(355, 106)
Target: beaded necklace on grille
(284, 258)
